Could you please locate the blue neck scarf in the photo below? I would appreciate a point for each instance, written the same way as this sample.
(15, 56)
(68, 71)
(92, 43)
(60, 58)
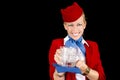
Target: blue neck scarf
(76, 43)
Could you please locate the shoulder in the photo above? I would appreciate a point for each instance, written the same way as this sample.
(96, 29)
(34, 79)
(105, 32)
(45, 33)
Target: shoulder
(58, 41)
(92, 43)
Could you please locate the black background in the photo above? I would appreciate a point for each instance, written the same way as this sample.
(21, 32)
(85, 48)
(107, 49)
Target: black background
(42, 22)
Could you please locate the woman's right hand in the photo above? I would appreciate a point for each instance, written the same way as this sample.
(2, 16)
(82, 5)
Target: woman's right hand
(58, 57)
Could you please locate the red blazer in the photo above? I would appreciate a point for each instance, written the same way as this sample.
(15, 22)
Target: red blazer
(92, 59)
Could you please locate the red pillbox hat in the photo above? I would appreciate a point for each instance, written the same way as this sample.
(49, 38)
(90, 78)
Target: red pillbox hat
(71, 13)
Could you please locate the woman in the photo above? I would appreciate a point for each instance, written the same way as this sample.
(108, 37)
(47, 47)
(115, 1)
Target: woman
(89, 69)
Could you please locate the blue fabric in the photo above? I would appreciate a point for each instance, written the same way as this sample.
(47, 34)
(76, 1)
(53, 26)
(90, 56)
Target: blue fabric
(66, 69)
(76, 43)
(81, 46)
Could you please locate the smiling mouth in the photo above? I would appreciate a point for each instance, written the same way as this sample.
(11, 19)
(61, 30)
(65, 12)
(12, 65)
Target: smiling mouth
(75, 34)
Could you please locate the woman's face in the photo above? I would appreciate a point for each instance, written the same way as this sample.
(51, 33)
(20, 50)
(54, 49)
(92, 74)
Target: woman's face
(75, 29)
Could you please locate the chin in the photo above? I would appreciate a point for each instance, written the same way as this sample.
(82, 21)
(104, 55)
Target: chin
(75, 38)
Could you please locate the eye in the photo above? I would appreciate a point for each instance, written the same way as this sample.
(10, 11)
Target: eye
(70, 25)
(79, 24)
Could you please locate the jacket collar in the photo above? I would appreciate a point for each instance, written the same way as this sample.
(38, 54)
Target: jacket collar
(83, 40)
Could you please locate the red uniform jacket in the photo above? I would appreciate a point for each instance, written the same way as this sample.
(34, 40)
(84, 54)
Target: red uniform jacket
(92, 59)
